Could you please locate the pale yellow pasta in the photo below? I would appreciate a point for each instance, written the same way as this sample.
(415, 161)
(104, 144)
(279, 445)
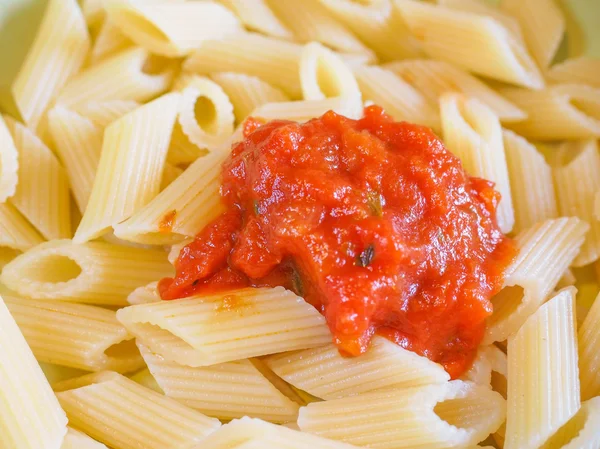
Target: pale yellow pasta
(239, 324)
(256, 15)
(581, 70)
(377, 25)
(589, 353)
(170, 174)
(304, 110)
(543, 386)
(58, 51)
(125, 415)
(182, 152)
(75, 335)
(144, 294)
(545, 251)
(452, 414)
(94, 273)
(226, 391)
(247, 92)
(128, 75)
(57, 373)
(310, 21)
(93, 11)
(434, 78)
(16, 232)
(323, 74)
(74, 439)
(577, 183)
(581, 431)
(171, 28)
(137, 143)
(326, 374)
(42, 194)
(531, 182)
(176, 249)
(144, 377)
(30, 416)
(272, 60)
(473, 132)
(110, 40)
(103, 113)
(543, 26)
(9, 164)
(563, 111)
(489, 360)
(475, 42)
(182, 209)
(398, 98)
(253, 433)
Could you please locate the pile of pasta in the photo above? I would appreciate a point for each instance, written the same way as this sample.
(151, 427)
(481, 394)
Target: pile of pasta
(110, 157)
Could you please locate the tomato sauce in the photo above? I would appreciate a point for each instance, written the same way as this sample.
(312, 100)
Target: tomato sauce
(372, 221)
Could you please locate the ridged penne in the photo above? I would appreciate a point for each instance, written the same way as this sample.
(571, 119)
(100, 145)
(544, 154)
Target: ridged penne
(543, 26)
(58, 51)
(326, 374)
(589, 353)
(543, 353)
(304, 110)
(15, 231)
(109, 41)
(30, 416)
(182, 209)
(128, 75)
(144, 294)
(247, 93)
(473, 132)
(310, 21)
(272, 60)
(103, 113)
(182, 152)
(257, 15)
(398, 98)
(475, 42)
(94, 273)
(136, 143)
(75, 335)
(125, 415)
(563, 111)
(452, 414)
(531, 182)
(226, 391)
(74, 439)
(42, 194)
(377, 25)
(581, 432)
(171, 28)
(581, 70)
(545, 251)
(253, 433)
(239, 324)
(93, 11)
(9, 163)
(434, 78)
(576, 184)
(145, 378)
(489, 359)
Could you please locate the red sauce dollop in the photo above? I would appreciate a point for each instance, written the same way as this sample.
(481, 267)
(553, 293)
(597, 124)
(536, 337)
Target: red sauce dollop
(372, 221)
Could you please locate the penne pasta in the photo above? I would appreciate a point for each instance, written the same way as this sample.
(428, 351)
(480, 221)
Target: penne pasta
(489, 361)
(474, 42)
(109, 41)
(94, 273)
(132, 74)
(93, 11)
(531, 182)
(9, 163)
(42, 194)
(144, 378)
(545, 251)
(225, 327)
(581, 70)
(57, 373)
(75, 335)
(125, 415)
(564, 111)
(304, 110)
(136, 143)
(326, 374)
(58, 51)
(577, 198)
(225, 391)
(144, 294)
(30, 416)
(542, 353)
(473, 133)
(170, 174)
(104, 113)
(434, 78)
(182, 152)
(257, 15)
(581, 431)
(398, 98)
(451, 414)
(247, 93)
(171, 28)
(589, 356)
(16, 233)
(74, 439)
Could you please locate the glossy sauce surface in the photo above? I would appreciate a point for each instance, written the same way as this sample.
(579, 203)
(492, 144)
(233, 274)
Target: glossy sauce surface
(372, 221)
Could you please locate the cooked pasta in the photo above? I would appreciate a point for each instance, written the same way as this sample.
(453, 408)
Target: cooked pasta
(109, 41)
(16, 232)
(125, 415)
(543, 353)
(171, 28)
(257, 15)
(589, 353)
(581, 431)
(75, 439)
(93, 273)
(30, 416)
(210, 331)
(136, 143)
(582, 70)
(144, 294)
(144, 378)
(103, 113)
(9, 165)
(304, 110)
